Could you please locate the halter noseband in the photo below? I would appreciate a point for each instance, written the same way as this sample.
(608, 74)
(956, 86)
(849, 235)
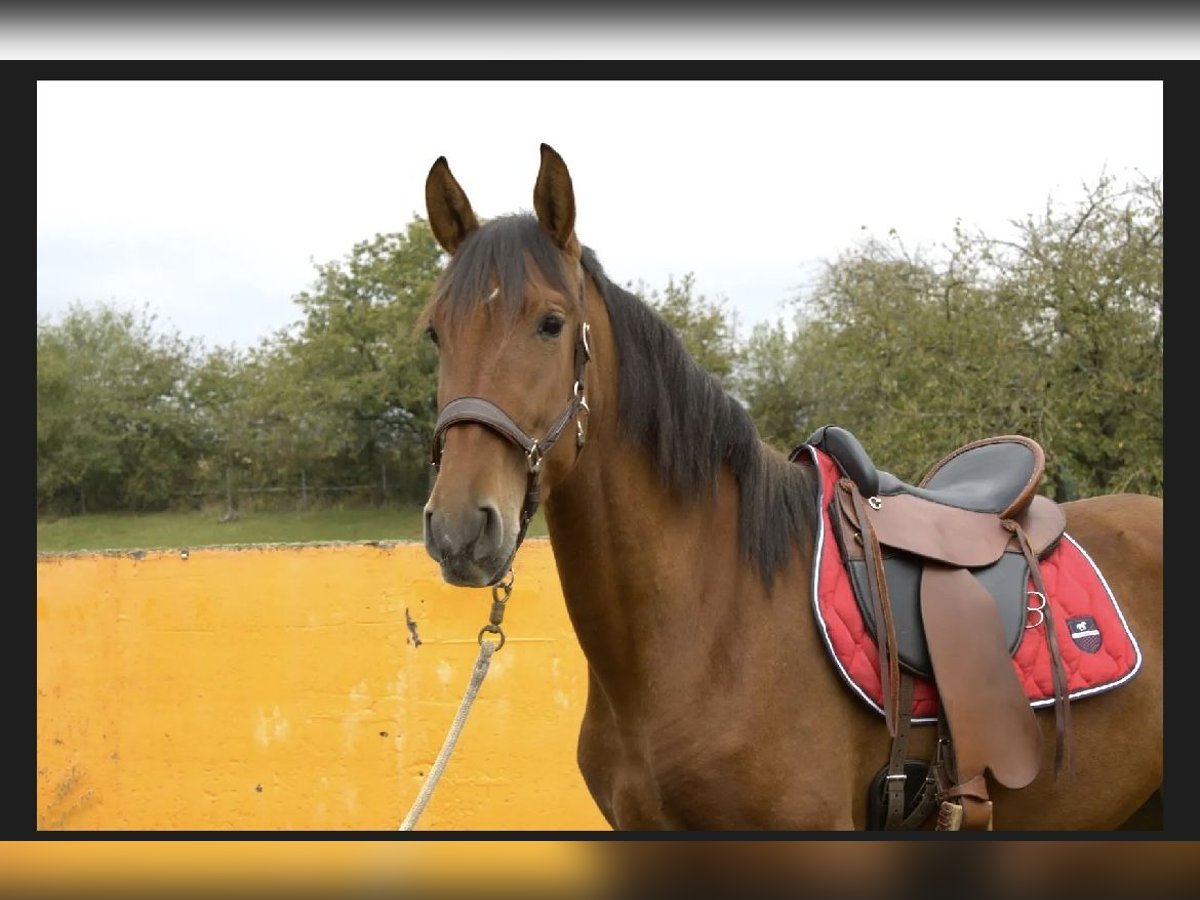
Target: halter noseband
(485, 412)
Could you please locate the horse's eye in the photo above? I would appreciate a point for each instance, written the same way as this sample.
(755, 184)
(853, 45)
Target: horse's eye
(432, 335)
(551, 325)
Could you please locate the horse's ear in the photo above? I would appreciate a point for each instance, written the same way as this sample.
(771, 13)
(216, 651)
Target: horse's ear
(450, 213)
(554, 200)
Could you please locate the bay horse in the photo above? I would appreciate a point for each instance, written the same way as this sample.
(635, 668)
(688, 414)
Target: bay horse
(685, 550)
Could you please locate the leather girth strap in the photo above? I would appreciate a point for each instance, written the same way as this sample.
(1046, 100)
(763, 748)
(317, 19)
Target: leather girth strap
(1062, 701)
(927, 794)
(889, 653)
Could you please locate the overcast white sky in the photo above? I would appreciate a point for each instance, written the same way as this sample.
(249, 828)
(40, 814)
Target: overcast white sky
(210, 201)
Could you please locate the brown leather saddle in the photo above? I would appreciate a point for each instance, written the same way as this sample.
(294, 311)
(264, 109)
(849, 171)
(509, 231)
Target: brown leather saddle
(941, 571)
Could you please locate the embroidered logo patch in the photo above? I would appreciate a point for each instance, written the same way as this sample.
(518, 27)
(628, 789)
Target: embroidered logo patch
(1085, 634)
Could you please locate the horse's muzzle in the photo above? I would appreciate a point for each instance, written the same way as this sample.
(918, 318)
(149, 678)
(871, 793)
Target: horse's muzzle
(469, 544)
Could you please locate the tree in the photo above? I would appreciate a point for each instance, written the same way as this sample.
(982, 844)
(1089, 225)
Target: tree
(74, 448)
(218, 391)
(1088, 284)
(707, 327)
(1056, 335)
(771, 382)
(114, 427)
(359, 357)
(912, 356)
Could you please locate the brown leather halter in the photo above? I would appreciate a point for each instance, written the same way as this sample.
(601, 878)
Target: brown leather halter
(484, 412)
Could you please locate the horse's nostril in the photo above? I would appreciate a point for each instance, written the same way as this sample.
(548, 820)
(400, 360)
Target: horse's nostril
(491, 532)
(435, 547)
(474, 533)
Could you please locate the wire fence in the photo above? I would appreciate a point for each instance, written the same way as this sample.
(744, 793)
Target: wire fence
(304, 494)
(236, 490)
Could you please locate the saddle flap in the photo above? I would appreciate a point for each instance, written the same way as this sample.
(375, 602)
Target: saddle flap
(947, 534)
(1006, 580)
(991, 722)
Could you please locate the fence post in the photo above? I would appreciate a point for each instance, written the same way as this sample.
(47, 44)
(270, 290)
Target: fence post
(303, 491)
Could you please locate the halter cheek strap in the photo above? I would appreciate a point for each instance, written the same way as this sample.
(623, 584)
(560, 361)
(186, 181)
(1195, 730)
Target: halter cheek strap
(484, 412)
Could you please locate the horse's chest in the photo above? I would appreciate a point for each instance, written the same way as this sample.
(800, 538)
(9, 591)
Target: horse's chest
(641, 797)
(691, 783)
(720, 771)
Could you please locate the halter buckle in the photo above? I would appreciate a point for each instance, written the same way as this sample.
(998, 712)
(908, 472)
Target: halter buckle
(534, 457)
(585, 331)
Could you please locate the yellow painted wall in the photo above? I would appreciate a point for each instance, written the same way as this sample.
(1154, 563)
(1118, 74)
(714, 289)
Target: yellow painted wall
(279, 687)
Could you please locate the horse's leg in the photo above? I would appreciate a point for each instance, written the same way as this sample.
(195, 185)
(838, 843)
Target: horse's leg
(621, 787)
(598, 748)
(791, 780)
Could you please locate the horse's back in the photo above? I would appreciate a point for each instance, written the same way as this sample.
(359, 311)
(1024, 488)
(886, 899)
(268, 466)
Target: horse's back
(1123, 534)
(1120, 524)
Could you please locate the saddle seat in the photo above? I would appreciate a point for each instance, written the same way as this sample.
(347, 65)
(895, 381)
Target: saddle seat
(940, 571)
(997, 475)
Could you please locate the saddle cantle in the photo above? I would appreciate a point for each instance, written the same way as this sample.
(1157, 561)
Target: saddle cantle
(940, 571)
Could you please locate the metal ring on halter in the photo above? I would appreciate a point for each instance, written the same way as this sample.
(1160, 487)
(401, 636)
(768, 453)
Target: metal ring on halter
(492, 629)
(503, 585)
(534, 456)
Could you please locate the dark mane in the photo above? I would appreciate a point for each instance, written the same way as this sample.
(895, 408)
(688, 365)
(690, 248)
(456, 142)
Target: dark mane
(667, 403)
(690, 425)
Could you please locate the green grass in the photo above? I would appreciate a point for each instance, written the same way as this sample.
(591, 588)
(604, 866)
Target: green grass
(124, 531)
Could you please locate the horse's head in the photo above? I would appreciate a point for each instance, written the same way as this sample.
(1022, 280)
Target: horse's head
(507, 317)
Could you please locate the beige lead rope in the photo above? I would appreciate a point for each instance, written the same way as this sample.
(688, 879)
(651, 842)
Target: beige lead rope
(482, 662)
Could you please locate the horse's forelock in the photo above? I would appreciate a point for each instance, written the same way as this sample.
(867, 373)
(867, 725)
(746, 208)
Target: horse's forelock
(492, 266)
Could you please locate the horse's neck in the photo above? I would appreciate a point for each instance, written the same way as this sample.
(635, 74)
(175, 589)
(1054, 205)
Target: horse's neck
(648, 578)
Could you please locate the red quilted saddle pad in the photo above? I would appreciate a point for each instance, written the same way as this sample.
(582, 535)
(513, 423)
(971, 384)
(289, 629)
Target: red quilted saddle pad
(1098, 650)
